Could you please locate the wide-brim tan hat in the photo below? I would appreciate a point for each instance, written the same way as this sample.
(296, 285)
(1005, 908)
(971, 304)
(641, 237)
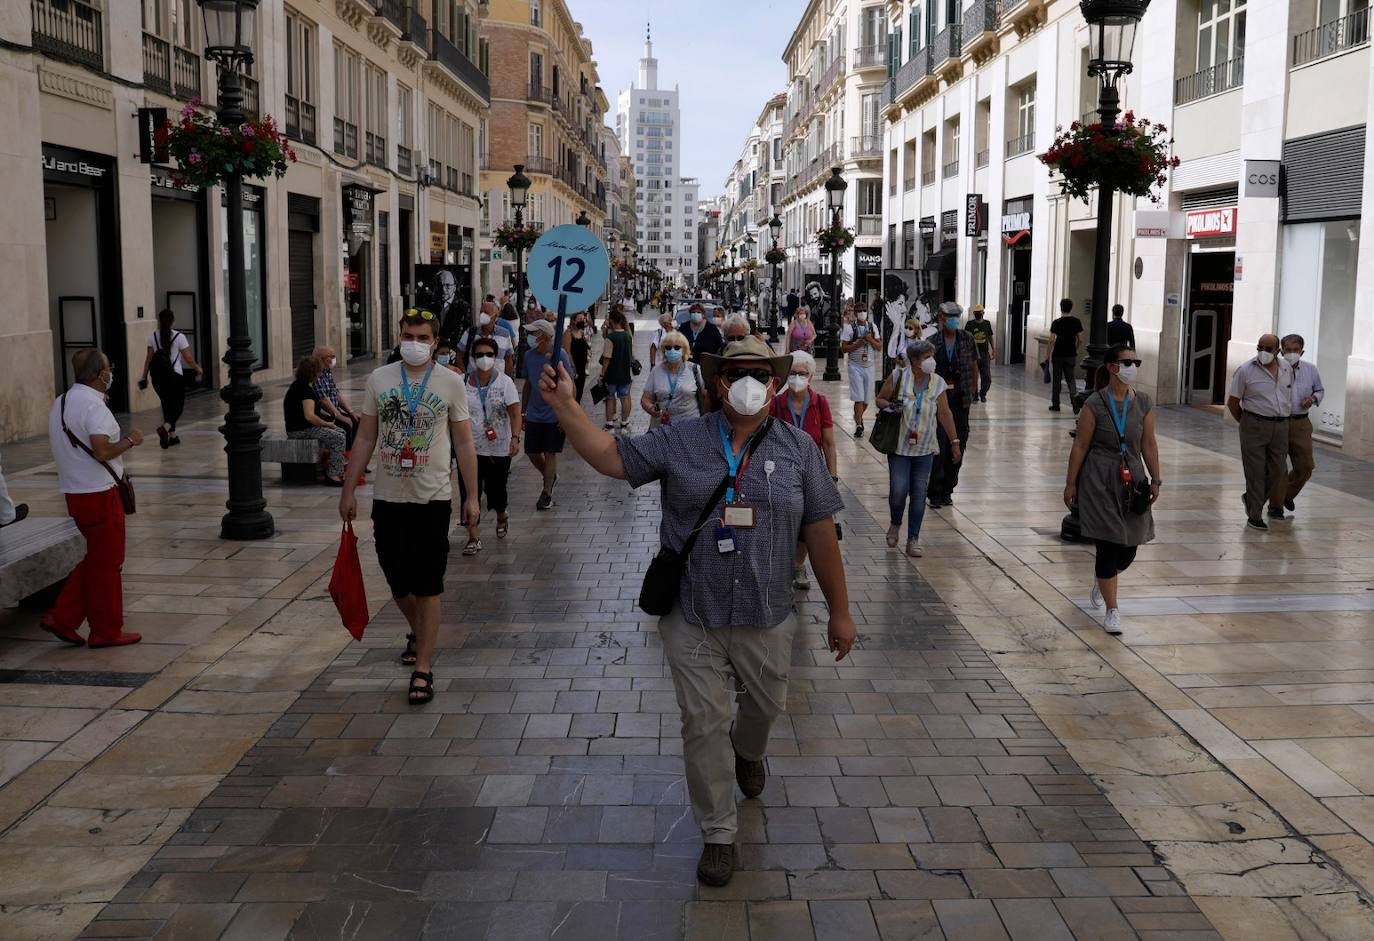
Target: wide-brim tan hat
(750, 349)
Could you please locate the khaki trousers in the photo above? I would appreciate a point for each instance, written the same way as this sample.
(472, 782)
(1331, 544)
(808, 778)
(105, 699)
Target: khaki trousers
(712, 668)
(1264, 456)
(1300, 453)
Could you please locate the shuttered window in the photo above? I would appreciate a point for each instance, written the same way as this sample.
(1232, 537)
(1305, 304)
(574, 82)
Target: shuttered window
(1322, 175)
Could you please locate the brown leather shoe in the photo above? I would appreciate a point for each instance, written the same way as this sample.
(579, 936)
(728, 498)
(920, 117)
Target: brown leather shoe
(751, 776)
(717, 864)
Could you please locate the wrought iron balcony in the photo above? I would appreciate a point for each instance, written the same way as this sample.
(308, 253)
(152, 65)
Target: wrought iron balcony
(460, 66)
(911, 72)
(186, 73)
(869, 145)
(413, 27)
(538, 163)
(870, 57)
(251, 105)
(1207, 82)
(950, 170)
(928, 177)
(981, 16)
(345, 138)
(981, 159)
(374, 151)
(157, 63)
(947, 45)
(1338, 35)
(393, 11)
(909, 182)
(540, 94)
(300, 119)
(71, 29)
(1021, 145)
(405, 159)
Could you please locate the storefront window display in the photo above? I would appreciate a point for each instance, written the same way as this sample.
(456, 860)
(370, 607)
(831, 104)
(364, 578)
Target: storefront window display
(254, 268)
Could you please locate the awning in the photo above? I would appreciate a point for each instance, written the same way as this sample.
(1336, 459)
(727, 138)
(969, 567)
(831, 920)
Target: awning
(945, 261)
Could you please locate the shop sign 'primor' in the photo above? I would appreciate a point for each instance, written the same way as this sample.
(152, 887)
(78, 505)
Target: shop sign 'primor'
(1131, 156)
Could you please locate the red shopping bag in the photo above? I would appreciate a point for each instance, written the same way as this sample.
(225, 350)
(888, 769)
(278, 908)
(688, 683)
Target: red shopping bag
(346, 584)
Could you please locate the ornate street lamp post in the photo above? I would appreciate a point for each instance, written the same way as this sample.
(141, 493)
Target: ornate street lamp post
(519, 186)
(1111, 39)
(775, 229)
(834, 199)
(734, 251)
(229, 25)
(748, 281)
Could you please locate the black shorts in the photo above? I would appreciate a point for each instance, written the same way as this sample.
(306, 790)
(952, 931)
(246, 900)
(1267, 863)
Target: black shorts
(543, 437)
(412, 545)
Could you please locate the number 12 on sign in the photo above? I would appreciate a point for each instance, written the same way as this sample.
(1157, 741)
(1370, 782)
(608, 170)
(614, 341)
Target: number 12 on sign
(570, 287)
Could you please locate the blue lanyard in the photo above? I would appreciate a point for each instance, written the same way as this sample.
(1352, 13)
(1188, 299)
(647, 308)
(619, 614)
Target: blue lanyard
(1121, 421)
(920, 398)
(673, 378)
(482, 392)
(413, 401)
(799, 420)
(732, 460)
(950, 347)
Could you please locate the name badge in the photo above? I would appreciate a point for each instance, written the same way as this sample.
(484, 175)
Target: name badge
(491, 433)
(406, 459)
(740, 515)
(725, 540)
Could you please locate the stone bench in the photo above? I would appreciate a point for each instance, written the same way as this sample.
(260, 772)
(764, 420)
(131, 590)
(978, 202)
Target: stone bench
(299, 457)
(35, 553)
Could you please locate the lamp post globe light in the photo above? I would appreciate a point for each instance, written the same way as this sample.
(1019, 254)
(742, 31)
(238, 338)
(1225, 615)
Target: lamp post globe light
(229, 26)
(1111, 41)
(775, 230)
(834, 200)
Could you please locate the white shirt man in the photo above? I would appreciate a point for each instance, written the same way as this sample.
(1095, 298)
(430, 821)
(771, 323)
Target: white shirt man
(1260, 397)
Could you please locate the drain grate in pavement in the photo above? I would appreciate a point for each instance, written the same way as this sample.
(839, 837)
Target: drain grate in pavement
(75, 677)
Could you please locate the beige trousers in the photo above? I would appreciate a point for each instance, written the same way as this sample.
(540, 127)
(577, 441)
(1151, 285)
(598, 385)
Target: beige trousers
(1301, 454)
(1264, 456)
(712, 669)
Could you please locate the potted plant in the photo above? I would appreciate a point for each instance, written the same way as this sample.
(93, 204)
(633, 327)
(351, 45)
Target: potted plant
(207, 150)
(510, 238)
(1132, 157)
(775, 256)
(834, 239)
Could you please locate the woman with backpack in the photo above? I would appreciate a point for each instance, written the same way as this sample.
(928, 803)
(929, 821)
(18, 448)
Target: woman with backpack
(169, 355)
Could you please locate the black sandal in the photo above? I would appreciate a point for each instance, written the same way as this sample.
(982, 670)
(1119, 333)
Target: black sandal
(424, 693)
(409, 656)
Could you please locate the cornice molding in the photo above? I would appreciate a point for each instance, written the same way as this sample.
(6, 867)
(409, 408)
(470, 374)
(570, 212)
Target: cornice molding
(66, 85)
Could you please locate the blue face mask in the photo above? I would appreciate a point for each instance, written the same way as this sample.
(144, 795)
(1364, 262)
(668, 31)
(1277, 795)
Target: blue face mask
(673, 355)
(951, 323)
(696, 316)
(532, 340)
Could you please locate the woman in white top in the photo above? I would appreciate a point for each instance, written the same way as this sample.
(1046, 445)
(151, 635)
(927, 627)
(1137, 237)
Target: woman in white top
(674, 387)
(494, 405)
(169, 355)
(919, 393)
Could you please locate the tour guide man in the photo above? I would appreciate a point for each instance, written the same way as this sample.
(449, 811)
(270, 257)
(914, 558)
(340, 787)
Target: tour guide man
(731, 629)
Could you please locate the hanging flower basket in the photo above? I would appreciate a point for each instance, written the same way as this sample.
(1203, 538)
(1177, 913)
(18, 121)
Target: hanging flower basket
(748, 265)
(207, 151)
(834, 239)
(516, 240)
(1133, 157)
(775, 256)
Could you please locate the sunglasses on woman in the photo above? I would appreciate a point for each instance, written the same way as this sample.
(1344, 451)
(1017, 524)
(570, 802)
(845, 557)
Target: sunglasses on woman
(761, 374)
(1127, 362)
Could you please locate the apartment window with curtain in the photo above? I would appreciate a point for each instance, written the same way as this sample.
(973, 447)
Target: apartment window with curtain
(405, 133)
(467, 158)
(348, 100)
(536, 142)
(452, 154)
(536, 13)
(1221, 38)
(300, 78)
(434, 137)
(374, 115)
(1025, 113)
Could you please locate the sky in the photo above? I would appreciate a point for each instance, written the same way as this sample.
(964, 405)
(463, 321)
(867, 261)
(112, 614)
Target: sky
(724, 55)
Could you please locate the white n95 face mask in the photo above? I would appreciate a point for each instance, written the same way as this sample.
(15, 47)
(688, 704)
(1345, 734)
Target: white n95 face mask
(748, 396)
(1292, 358)
(798, 383)
(415, 353)
(1265, 357)
(928, 365)
(484, 362)
(1126, 373)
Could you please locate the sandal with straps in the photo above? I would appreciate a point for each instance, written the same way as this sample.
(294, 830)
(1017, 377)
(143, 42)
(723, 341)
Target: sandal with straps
(419, 695)
(473, 547)
(502, 527)
(409, 656)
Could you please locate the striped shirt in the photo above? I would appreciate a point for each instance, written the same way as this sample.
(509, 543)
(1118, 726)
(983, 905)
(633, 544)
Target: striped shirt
(923, 422)
(1307, 383)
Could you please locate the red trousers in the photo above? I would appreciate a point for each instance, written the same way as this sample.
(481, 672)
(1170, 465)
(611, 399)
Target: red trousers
(94, 591)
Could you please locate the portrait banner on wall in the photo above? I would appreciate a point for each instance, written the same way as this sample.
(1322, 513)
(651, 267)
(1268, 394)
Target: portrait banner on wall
(909, 294)
(816, 295)
(438, 289)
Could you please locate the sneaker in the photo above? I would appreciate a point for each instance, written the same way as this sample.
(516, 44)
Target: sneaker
(1276, 512)
(799, 579)
(858, 431)
(1288, 505)
(544, 502)
(717, 864)
(1095, 598)
(1257, 524)
(982, 398)
(912, 549)
(1112, 622)
(751, 776)
(893, 532)
(1054, 408)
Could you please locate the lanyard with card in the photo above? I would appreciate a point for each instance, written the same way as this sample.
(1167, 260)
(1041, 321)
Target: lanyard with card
(406, 459)
(912, 429)
(482, 391)
(736, 514)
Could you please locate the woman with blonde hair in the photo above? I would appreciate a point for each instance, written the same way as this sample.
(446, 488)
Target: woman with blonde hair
(674, 387)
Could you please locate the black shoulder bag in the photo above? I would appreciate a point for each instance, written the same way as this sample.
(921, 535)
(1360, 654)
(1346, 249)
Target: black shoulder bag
(663, 580)
(124, 485)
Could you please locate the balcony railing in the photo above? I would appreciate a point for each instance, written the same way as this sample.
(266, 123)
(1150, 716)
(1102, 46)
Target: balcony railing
(70, 29)
(300, 119)
(1021, 145)
(832, 73)
(186, 72)
(1206, 82)
(405, 159)
(870, 225)
(391, 10)
(537, 163)
(981, 159)
(1089, 117)
(374, 149)
(1009, 5)
(251, 106)
(463, 68)
(157, 63)
(345, 138)
(870, 57)
(413, 27)
(1328, 38)
(911, 72)
(869, 145)
(909, 183)
(981, 16)
(950, 169)
(541, 94)
(948, 44)
(928, 177)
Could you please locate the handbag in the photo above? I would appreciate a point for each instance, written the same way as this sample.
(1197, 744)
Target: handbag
(887, 427)
(124, 484)
(636, 367)
(663, 579)
(599, 393)
(1045, 370)
(346, 584)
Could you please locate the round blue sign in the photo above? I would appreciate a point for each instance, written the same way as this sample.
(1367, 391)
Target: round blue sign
(568, 268)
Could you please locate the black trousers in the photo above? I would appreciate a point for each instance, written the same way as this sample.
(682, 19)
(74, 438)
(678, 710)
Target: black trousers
(1112, 559)
(944, 475)
(171, 393)
(492, 475)
(1063, 371)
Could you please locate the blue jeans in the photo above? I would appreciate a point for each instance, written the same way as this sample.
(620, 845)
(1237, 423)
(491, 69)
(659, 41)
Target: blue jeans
(907, 477)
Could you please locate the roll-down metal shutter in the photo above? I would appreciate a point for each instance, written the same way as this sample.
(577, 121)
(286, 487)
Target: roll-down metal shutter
(1210, 199)
(1323, 175)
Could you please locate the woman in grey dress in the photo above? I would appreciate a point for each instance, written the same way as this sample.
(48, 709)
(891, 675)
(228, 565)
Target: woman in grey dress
(1116, 424)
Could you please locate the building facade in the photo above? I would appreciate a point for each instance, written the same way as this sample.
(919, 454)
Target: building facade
(385, 111)
(649, 124)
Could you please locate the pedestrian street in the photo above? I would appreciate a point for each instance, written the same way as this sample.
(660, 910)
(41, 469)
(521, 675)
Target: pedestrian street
(987, 763)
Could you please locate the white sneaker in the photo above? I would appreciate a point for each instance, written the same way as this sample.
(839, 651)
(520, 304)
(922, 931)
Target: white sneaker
(1112, 622)
(912, 549)
(1095, 599)
(799, 579)
(892, 534)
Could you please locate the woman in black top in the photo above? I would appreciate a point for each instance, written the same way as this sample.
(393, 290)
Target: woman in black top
(303, 420)
(579, 348)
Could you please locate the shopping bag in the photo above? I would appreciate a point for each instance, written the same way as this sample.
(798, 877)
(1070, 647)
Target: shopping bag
(599, 393)
(1045, 370)
(346, 585)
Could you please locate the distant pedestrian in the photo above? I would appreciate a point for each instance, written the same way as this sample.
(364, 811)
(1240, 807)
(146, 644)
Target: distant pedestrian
(980, 328)
(801, 333)
(1260, 397)
(1307, 394)
(806, 409)
(665, 325)
(10, 512)
(496, 330)
(736, 327)
(704, 338)
(578, 344)
(1119, 332)
(1067, 333)
(861, 341)
(543, 436)
(87, 445)
(304, 419)
(1114, 447)
(956, 362)
(674, 389)
(617, 358)
(168, 358)
(414, 412)
(494, 405)
(790, 306)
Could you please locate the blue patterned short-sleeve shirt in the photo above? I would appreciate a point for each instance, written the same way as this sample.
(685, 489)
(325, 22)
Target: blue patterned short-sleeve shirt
(752, 586)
